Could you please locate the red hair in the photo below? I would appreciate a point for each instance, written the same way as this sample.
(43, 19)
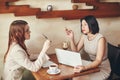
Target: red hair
(17, 32)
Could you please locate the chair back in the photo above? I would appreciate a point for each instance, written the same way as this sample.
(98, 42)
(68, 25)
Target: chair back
(114, 58)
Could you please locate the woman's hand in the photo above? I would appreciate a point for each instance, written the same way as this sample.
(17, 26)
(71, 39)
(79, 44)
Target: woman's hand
(69, 33)
(79, 68)
(46, 45)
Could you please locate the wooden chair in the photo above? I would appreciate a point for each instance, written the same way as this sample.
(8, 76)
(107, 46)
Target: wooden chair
(114, 58)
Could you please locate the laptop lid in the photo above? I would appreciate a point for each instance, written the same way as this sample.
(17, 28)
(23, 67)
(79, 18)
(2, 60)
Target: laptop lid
(68, 57)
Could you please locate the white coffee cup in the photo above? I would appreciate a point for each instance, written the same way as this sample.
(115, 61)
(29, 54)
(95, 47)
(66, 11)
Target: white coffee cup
(53, 68)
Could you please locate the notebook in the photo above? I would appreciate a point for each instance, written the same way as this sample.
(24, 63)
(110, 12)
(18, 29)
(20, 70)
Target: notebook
(69, 58)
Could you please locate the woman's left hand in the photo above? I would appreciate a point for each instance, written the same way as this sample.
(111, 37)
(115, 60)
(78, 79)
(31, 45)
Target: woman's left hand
(79, 68)
(69, 33)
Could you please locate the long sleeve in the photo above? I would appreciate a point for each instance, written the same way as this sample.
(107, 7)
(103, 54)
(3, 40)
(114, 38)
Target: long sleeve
(21, 58)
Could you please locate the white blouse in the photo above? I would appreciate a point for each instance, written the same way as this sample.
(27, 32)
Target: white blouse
(17, 60)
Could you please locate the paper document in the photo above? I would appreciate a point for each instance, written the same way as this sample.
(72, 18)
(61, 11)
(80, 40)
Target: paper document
(47, 64)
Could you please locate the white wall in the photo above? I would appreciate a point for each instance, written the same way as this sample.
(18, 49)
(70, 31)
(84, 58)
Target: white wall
(54, 27)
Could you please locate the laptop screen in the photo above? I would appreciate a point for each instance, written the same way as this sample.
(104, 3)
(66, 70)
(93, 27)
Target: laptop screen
(68, 57)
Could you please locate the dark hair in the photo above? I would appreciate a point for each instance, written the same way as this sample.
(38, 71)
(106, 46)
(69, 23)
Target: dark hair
(17, 32)
(92, 23)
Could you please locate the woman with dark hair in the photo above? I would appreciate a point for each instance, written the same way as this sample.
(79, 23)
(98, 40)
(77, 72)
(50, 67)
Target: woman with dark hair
(16, 58)
(95, 45)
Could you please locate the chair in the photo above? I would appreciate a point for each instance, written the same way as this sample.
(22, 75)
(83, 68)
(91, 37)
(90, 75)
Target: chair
(114, 58)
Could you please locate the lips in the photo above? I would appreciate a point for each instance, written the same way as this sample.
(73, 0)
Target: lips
(83, 30)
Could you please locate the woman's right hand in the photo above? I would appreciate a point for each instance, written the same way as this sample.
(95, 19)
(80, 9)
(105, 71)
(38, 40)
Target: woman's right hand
(69, 33)
(46, 45)
(79, 68)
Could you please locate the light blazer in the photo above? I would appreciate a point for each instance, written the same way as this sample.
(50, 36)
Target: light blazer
(17, 60)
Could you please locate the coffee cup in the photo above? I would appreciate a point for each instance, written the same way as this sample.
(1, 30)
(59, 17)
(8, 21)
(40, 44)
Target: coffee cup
(53, 68)
(65, 45)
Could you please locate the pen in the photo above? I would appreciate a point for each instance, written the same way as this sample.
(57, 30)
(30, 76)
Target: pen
(45, 36)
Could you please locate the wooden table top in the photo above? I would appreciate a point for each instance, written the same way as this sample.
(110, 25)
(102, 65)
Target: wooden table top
(66, 72)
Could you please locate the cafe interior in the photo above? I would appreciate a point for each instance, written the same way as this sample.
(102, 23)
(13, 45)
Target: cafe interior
(51, 17)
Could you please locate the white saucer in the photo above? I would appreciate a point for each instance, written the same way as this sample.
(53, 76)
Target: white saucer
(57, 72)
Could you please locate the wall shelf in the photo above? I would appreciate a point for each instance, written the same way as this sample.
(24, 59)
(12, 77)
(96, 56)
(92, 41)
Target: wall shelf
(100, 10)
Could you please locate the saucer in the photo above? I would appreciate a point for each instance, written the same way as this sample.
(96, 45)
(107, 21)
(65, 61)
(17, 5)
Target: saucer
(57, 72)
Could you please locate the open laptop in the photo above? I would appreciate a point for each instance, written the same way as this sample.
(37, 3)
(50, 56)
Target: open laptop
(68, 57)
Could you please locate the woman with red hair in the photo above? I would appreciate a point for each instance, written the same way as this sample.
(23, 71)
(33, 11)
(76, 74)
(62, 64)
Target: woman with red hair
(16, 58)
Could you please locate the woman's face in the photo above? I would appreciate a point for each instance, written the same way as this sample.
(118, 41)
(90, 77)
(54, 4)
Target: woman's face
(27, 32)
(85, 28)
